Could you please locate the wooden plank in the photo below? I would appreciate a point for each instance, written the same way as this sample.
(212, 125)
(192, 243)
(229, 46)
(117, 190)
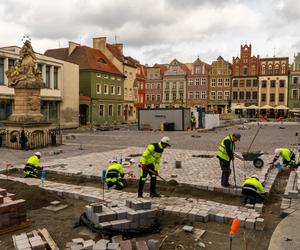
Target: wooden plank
(49, 239)
(13, 228)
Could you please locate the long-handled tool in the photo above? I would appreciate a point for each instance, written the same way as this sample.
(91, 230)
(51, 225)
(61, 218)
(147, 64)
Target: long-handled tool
(233, 169)
(253, 139)
(103, 181)
(170, 182)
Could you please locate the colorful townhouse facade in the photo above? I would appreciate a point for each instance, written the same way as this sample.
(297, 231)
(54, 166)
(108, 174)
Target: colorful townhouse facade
(294, 85)
(101, 84)
(59, 97)
(197, 84)
(219, 88)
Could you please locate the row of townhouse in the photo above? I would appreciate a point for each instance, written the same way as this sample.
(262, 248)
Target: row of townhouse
(249, 80)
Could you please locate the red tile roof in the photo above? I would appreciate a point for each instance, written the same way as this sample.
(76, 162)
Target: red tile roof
(86, 57)
(84, 98)
(163, 67)
(185, 68)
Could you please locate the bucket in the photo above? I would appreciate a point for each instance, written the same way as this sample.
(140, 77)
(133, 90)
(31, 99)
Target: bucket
(278, 166)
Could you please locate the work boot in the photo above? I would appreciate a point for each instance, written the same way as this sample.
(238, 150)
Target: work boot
(155, 195)
(140, 196)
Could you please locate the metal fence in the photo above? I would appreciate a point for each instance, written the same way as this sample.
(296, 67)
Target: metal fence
(30, 139)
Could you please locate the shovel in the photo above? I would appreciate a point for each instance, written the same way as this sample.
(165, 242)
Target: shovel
(170, 182)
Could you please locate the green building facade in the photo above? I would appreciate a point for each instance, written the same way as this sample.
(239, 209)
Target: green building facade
(294, 84)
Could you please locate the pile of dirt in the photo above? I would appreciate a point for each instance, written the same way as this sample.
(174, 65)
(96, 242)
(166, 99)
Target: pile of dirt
(35, 197)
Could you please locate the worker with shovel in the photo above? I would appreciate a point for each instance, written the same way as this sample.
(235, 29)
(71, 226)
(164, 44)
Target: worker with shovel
(149, 164)
(288, 158)
(226, 154)
(32, 168)
(113, 173)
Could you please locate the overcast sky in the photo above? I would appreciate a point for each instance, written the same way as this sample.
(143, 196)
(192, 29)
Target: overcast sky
(157, 31)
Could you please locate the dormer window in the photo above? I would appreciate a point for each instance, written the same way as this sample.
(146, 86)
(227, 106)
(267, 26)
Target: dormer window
(101, 60)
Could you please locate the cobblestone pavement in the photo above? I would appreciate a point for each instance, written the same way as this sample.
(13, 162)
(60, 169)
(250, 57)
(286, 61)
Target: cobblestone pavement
(197, 171)
(209, 210)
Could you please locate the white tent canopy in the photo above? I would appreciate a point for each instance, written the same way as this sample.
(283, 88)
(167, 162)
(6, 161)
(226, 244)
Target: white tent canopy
(253, 107)
(282, 107)
(267, 107)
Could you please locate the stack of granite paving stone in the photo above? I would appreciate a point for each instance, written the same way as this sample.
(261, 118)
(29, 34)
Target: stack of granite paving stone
(290, 199)
(122, 216)
(12, 212)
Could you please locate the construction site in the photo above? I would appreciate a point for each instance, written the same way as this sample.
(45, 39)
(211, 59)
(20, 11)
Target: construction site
(70, 207)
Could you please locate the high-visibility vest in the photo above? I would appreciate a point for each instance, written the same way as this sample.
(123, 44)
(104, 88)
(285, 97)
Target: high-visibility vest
(152, 155)
(193, 120)
(256, 183)
(113, 171)
(33, 161)
(285, 153)
(222, 153)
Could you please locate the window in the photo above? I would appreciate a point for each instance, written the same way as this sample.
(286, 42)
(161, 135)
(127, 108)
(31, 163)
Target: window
(113, 77)
(295, 94)
(118, 79)
(234, 95)
(11, 63)
(98, 75)
(213, 82)
(112, 89)
(101, 110)
(272, 97)
(174, 85)
(281, 97)
(212, 95)
(248, 95)
(197, 82)
(254, 95)
(227, 82)
(147, 97)
(203, 81)
(295, 80)
(47, 77)
(253, 70)
(181, 85)
(203, 94)
(158, 98)
(119, 110)
(119, 90)
(5, 109)
(220, 95)
(273, 83)
(167, 85)
(110, 110)
(50, 110)
(105, 89)
(220, 82)
(197, 95)
(40, 67)
(98, 88)
(255, 83)
(270, 69)
(147, 85)
(276, 69)
(1, 71)
(283, 68)
(263, 69)
(105, 76)
(126, 91)
(263, 97)
(191, 82)
(281, 83)
(167, 96)
(198, 69)
(235, 83)
(153, 86)
(248, 83)
(242, 83)
(226, 95)
(152, 97)
(181, 95)
(174, 96)
(242, 95)
(245, 71)
(158, 85)
(55, 78)
(264, 84)
(191, 95)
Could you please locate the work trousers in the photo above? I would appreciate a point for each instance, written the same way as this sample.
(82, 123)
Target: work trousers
(251, 196)
(112, 180)
(30, 171)
(226, 171)
(143, 176)
(291, 163)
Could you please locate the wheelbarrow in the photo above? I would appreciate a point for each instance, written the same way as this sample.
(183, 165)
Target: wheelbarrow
(252, 156)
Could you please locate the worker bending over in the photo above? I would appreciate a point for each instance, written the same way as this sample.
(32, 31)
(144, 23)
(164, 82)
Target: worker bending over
(149, 164)
(288, 158)
(226, 154)
(32, 167)
(113, 174)
(253, 190)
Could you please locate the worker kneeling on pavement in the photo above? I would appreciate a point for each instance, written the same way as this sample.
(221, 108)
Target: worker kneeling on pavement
(149, 164)
(288, 158)
(32, 168)
(253, 191)
(113, 174)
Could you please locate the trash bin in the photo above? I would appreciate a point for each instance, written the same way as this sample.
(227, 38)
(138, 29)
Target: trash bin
(166, 126)
(171, 126)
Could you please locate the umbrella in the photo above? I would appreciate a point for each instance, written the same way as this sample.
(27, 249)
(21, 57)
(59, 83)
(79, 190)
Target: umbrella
(282, 107)
(253, 107)
(267, 107)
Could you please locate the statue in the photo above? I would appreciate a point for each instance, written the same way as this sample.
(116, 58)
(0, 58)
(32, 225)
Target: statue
(23, 74)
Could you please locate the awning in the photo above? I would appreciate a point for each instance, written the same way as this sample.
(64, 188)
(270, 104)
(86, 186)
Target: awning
(294, 110)
(267, 107)
(282, 107)
(253, 107)
(238, 106)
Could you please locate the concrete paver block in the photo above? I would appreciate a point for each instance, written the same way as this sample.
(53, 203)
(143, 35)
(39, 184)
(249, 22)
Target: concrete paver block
(259, 207)
(259, 224)
(293, 194)
(88, 244)
(153, 244)
(113, 246)
(250, 223)
(220, 217)
(188, 229)
(141, 245)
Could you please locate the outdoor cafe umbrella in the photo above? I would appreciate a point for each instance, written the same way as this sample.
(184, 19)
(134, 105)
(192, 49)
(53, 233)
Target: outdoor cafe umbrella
(267, 107)
(253, 107)
(281, 107)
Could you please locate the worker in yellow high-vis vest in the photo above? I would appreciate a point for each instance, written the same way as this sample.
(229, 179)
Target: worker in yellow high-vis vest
(288, 158)
(225, 154)
(253, 190)
(32, 168)
(113, 173)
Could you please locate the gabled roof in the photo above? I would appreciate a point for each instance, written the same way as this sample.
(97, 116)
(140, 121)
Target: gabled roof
(185, 68)
(163, 67)
(87, 58)
(119, 55)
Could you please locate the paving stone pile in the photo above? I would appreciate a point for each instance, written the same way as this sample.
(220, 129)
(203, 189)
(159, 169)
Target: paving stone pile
(290, 198)
(12, 212)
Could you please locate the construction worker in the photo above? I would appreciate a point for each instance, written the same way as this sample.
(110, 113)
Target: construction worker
(226, 154)
(193, 121)
(288, 158)
(253, 190)
(32, 167)
(149, 164)
(113, 174)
